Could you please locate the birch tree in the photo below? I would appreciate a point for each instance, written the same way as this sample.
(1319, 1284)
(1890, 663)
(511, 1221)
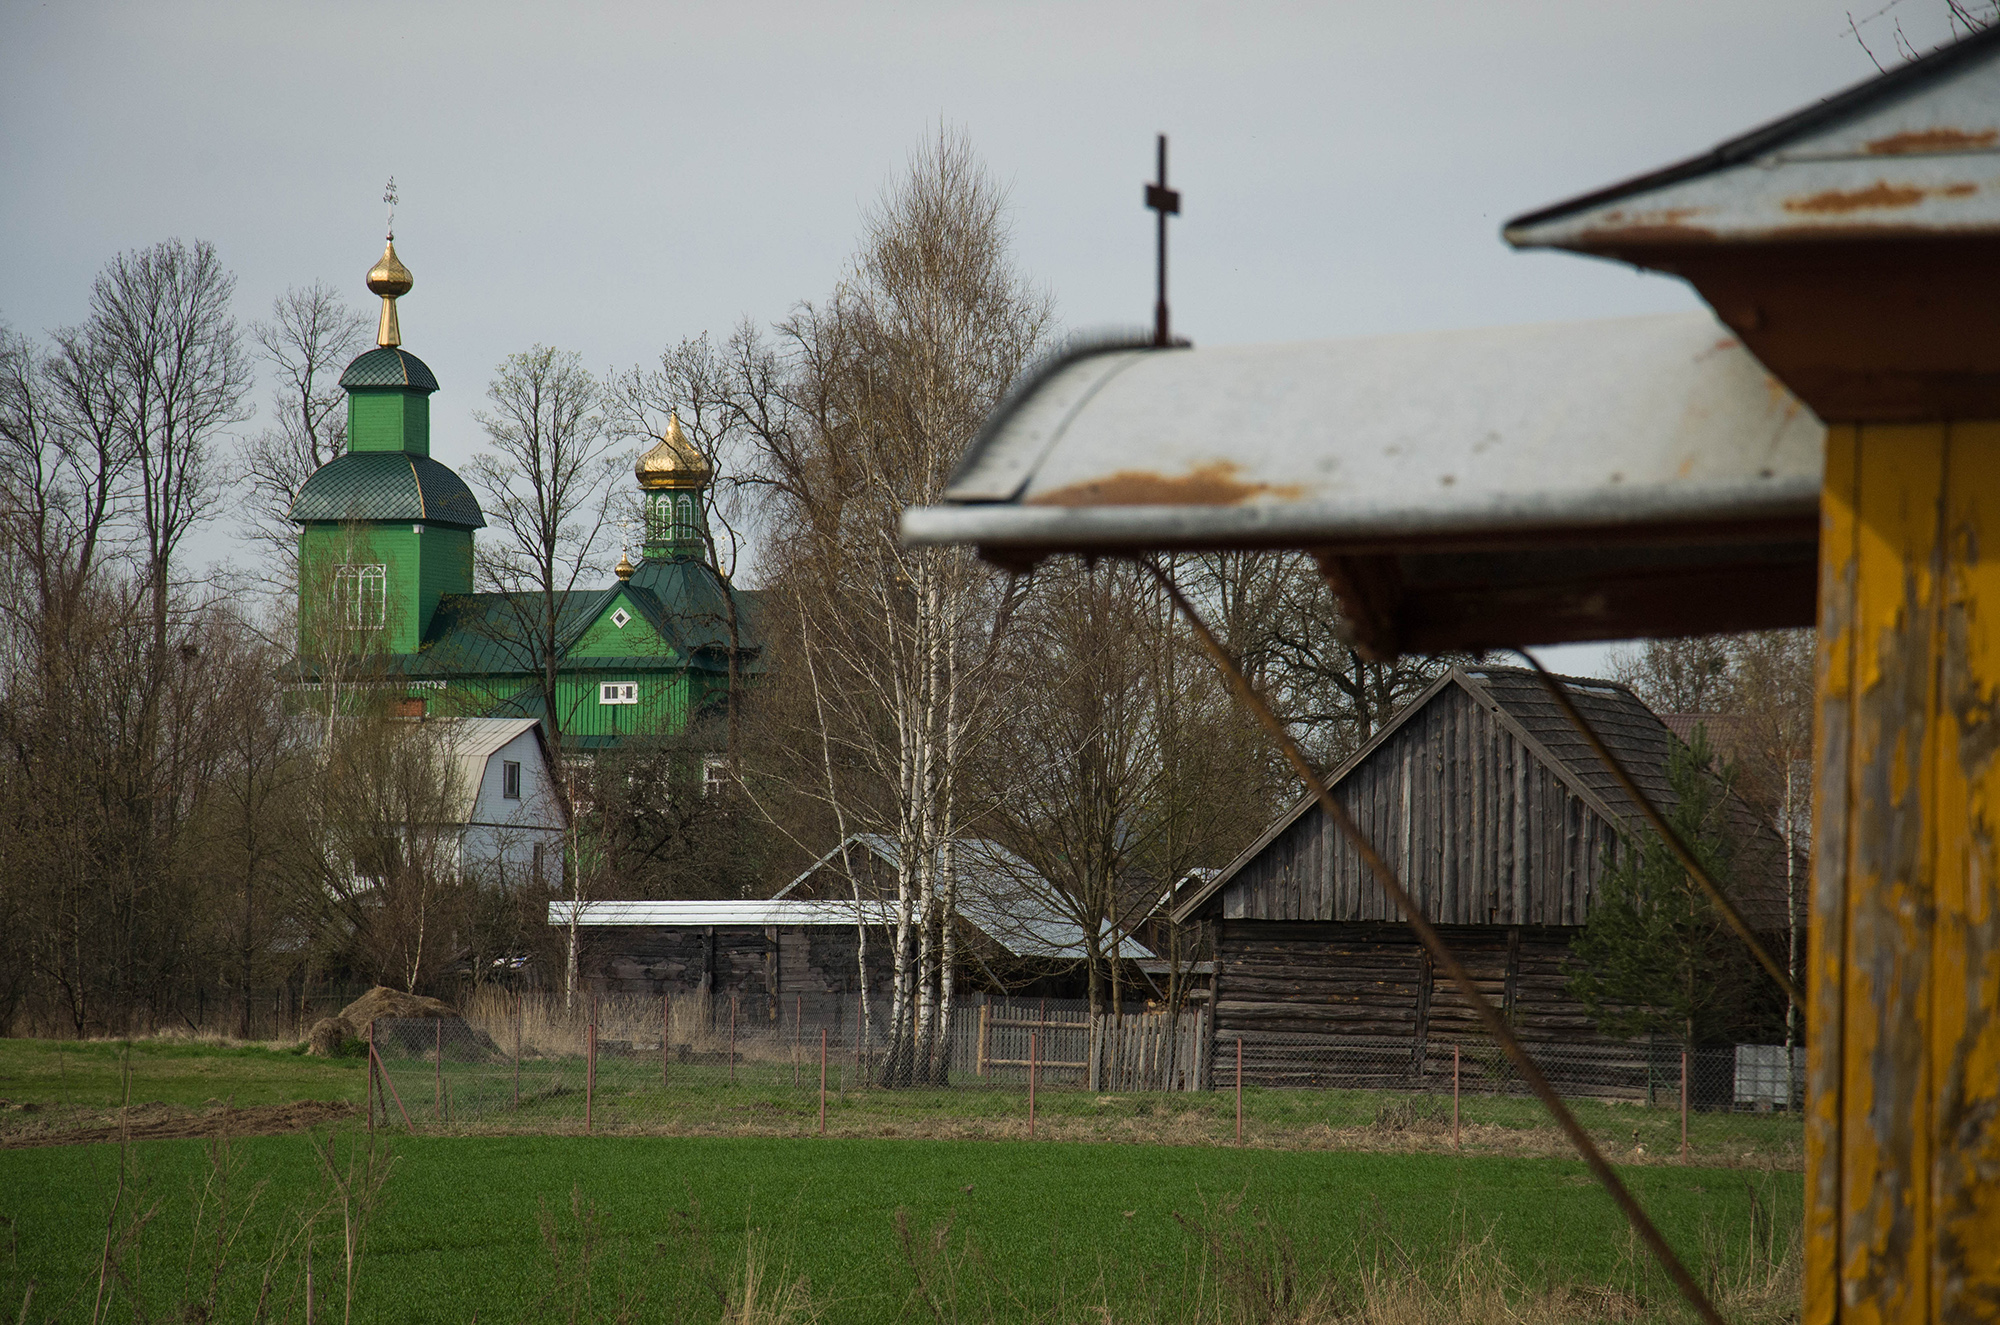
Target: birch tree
(881, 389)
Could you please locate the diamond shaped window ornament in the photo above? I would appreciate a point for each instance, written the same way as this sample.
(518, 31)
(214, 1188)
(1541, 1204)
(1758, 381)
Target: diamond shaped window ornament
(620, 617)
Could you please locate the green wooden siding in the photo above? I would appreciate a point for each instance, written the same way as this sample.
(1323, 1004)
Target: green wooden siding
(389, 421)
(604, 638)
(421, 569)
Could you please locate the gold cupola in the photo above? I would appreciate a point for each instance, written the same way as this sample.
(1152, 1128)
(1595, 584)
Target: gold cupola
(390, 279)
(674, 463)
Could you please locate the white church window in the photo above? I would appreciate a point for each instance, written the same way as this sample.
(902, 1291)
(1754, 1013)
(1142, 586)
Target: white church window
(684, 530)
(361, 596)
(618, 692)
(620, 617)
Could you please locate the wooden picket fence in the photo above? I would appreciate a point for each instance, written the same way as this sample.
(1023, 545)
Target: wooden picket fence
(1069, 1046)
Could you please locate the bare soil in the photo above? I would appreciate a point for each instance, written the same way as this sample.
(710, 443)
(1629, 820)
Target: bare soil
(55, 1125)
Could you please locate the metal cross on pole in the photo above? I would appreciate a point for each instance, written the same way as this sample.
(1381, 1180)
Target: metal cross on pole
(1167, 202)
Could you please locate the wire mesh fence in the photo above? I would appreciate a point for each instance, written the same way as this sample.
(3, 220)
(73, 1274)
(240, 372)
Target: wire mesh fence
(1050, 1068)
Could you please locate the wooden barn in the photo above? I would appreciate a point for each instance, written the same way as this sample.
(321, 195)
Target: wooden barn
(1499, 819)
(799, 951)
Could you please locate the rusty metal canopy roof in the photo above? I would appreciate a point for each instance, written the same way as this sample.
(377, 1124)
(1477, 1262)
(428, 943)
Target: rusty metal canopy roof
(1913, 151)
(1854, 245)
(1482, 470)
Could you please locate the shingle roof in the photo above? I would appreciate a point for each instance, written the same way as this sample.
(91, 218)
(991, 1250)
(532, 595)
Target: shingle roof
(484, 634)
(389, 367)
(387, 485)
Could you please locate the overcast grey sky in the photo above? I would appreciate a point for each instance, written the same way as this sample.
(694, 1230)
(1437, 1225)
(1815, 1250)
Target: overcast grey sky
(610, 178)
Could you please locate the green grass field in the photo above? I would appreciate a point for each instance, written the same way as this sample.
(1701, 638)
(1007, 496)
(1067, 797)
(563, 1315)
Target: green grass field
(91, 1074)
(1037, 1231)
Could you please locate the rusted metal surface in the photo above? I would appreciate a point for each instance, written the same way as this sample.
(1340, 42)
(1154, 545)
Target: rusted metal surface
(1903, 1184)
(1852, 246)
(1916, 154)
(1486, 436)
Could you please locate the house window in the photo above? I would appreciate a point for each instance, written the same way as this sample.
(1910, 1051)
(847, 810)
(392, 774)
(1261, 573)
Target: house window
(510, 780)
(714, 773)
(361, 596)
(618, 692)
(541, 860)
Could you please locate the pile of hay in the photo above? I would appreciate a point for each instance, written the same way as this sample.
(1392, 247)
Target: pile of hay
(384, 1004)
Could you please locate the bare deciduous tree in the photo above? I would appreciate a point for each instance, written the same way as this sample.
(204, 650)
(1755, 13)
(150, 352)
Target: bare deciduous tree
(310, 337)
(876, 396)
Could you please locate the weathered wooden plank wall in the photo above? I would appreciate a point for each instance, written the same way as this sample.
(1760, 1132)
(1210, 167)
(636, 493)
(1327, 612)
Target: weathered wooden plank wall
(1320, 1003)
(1479, 829)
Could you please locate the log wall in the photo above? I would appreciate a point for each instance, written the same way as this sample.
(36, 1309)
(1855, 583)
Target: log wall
(1359, 1005)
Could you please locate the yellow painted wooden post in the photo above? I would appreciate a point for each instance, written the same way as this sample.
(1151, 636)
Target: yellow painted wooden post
(1903, 1136)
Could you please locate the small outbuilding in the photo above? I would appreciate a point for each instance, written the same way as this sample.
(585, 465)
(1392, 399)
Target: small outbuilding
(1501, 823)
(805, 951)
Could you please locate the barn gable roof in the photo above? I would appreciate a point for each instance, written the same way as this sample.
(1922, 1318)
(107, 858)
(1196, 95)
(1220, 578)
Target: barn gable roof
(1521, 706)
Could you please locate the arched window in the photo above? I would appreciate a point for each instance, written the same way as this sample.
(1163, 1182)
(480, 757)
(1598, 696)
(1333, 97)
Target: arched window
(684, 530)
(659, 516)
(361, 596)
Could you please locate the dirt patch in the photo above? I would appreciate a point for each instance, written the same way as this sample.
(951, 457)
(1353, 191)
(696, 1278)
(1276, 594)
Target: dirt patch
(167, 1122)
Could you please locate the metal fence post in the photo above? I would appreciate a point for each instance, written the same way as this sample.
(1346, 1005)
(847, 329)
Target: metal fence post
(1033, 1045)
(798, 1029)
(822, 1081)
(590, 1068)
(371, 1081)
(1454, 1097)
(732, 1039)
(1684, 1106)
(437, 1074)
(666, 1033)
(518, 1014)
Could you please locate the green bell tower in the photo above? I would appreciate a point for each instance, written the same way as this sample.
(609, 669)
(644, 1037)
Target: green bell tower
(385, 531)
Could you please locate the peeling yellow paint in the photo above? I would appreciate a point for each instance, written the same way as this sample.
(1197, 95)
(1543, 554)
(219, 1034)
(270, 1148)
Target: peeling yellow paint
(1903, 1133)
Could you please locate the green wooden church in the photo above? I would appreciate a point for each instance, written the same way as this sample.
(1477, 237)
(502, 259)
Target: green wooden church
(386, 600)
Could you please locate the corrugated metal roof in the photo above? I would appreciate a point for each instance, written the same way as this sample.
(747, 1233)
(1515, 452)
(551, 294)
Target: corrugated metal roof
(1913, 151)
(998, 893)
(751, 913)
(1475, 437)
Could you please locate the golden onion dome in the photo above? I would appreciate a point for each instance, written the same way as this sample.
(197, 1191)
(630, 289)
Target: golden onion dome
(389, 277)
(623, 570)
(674, 463)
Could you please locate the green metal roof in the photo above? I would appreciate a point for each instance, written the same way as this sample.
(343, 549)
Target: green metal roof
(390, 367)
(387, 485)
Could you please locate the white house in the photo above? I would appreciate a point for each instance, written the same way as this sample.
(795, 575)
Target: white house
(510, 819)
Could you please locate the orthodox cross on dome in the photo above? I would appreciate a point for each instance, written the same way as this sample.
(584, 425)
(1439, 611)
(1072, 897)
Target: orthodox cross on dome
(389, 197)
(1167, 202)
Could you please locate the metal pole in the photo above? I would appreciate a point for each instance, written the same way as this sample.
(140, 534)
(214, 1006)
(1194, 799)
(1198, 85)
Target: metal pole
(798, 1015)
(517, 1051)
(437, 1074)
(371, 1082)
(1239, 1090)
(1454, 1097)
(666, 1033)
(590, 1067)
(1684, 1106)
(732, 1039)
(822, 1081)
(1033, 1043)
